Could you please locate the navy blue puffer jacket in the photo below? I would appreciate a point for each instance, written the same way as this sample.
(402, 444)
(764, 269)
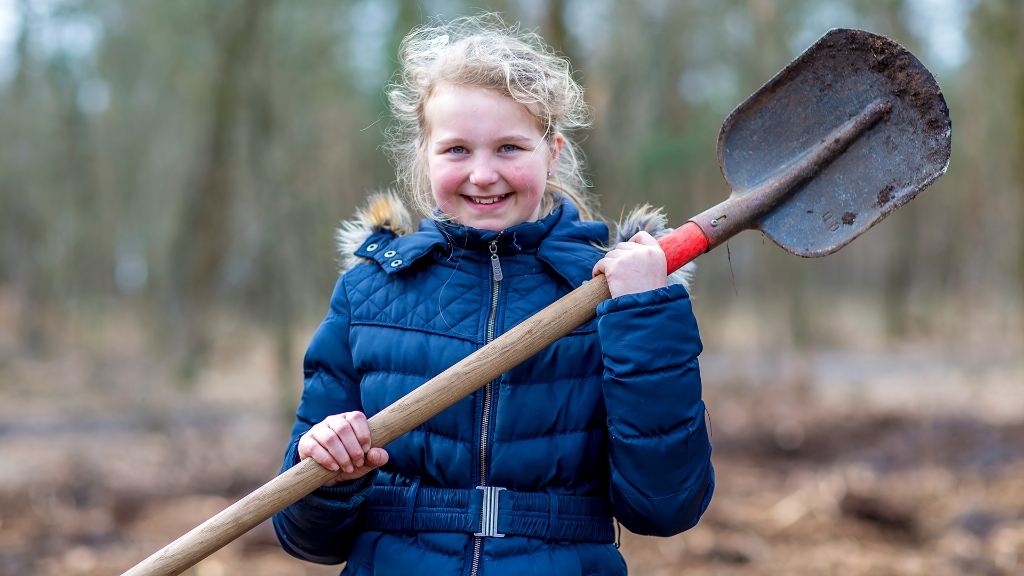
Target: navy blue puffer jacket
(606, 421)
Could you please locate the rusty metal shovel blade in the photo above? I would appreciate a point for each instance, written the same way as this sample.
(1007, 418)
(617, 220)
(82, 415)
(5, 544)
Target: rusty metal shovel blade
(896, 142)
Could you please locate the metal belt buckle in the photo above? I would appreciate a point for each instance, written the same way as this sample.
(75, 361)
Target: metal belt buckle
(489, 512)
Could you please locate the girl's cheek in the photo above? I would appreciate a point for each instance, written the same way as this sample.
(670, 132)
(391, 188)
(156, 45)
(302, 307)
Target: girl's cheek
(446, 180)
(528, 181)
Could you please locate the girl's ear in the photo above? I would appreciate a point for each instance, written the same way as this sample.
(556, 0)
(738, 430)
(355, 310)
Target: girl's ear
(555, 144)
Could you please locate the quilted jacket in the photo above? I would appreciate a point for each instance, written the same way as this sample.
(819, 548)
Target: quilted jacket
(608, 421)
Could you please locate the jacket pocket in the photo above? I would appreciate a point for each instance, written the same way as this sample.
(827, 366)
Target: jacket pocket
(600, 560)
(360, 560)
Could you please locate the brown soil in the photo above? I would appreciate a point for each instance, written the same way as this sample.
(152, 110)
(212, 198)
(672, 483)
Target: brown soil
(104, 459)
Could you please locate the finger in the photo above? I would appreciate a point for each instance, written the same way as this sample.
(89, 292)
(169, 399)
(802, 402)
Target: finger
(617, 253)
(323, 457)
(643, 237)
(610, 266)
(349, 441)
(327, 436)
(361, 428)
(626, 246)
(600, 267)
(304, 446)
(308, 444)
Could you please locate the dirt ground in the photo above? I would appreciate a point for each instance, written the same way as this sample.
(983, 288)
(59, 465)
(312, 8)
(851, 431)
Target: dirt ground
(898, 460)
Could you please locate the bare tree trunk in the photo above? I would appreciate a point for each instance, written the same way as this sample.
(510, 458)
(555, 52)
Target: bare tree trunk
(1018, 97)
(409, 16)
(201, 240)
(555, 32)
(898, 279)
(278, 246)
(33, 288)
(27, 228)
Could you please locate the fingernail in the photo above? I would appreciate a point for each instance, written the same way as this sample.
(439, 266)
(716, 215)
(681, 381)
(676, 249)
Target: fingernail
(334, 466)
(359, 462)
(349, 468)
(366, 447)
(373, 457)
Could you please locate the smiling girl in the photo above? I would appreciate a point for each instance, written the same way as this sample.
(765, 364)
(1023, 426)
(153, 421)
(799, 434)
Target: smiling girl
(529, 474)
(486, 157)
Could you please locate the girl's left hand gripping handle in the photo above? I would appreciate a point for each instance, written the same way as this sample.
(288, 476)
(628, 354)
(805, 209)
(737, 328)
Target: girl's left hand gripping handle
(683, 245)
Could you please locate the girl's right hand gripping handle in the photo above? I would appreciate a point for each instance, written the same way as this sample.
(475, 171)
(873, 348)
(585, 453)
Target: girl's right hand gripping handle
(683, 245)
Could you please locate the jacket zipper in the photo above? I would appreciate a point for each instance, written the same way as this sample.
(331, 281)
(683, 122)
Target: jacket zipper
(496, 277)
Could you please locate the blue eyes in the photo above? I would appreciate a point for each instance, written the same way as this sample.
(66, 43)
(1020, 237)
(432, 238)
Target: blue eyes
(504, 149)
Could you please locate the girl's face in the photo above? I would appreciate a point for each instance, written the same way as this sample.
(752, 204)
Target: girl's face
(486, 157)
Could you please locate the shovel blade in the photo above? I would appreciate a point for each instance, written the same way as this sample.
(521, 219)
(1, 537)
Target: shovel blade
(832, 81)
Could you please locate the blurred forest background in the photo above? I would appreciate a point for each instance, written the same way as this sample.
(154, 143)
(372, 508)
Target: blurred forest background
(172, 173)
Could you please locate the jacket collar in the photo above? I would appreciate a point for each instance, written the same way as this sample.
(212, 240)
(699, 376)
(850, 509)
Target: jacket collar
(569, 249)
(561, 241)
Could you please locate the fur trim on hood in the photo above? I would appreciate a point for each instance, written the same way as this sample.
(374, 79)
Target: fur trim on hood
(381, 211)
(386, 211)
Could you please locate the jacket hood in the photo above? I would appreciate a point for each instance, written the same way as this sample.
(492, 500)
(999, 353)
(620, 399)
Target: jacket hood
(382, 229)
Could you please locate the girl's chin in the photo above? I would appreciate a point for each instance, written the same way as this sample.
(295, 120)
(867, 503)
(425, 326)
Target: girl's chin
(486, 222)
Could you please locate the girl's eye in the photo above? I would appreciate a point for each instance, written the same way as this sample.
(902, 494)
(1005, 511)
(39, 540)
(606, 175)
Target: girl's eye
(509, 148)
(457, 149)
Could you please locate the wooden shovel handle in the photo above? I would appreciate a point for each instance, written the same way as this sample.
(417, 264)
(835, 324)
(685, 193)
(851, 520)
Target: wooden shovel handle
(507, 351)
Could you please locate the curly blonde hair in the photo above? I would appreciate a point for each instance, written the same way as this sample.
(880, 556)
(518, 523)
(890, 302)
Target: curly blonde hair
(484, 51)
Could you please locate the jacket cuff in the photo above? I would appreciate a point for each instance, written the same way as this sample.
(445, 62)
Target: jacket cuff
(340, 492)
(345, 490)
(649, 298)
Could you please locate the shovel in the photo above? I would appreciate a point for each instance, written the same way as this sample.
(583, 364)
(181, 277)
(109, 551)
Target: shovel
(848, 132)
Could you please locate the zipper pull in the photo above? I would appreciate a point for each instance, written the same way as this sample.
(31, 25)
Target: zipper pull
(495, 263)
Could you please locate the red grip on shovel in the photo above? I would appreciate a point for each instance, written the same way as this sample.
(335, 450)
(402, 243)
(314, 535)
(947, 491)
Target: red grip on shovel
(683, 245)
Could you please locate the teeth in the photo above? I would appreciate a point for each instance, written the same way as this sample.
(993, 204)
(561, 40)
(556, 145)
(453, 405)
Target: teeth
(488, 200)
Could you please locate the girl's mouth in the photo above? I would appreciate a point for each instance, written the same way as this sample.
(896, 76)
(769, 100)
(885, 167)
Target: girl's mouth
(486, 201)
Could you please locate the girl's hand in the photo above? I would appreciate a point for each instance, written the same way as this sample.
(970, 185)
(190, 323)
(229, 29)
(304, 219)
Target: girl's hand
(635, 266)
(342, 442)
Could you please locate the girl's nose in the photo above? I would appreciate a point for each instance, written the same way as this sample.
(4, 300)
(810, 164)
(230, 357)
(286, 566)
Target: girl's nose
(483, 174)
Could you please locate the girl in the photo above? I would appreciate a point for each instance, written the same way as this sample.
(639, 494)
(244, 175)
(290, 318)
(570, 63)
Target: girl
(526, 475)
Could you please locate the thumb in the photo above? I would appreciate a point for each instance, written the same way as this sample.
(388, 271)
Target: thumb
(376, 458)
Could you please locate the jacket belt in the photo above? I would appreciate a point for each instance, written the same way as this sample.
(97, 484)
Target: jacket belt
(550, 516)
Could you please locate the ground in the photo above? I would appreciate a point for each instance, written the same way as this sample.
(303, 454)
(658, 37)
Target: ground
(897, 460)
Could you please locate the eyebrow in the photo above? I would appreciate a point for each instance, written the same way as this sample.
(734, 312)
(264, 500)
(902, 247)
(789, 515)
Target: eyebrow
(511, 138)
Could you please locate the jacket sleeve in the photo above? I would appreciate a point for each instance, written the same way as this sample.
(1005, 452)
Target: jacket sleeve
(661, 473)
(322, 526)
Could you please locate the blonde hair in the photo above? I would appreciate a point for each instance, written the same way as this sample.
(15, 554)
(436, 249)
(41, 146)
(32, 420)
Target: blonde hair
(485, 52)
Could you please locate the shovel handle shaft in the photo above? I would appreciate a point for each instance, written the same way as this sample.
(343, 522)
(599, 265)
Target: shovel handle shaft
(235, 520)
(505, 352)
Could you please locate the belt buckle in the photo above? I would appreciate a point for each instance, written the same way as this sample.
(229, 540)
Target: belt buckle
(489, 512)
